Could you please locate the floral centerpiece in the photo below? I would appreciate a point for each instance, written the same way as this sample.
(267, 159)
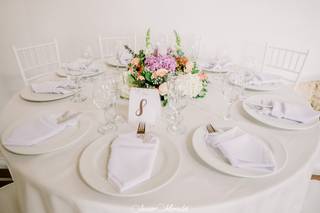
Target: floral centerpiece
(150, 69)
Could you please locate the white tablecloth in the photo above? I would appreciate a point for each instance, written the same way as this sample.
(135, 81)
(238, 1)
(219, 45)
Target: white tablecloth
(51, 182)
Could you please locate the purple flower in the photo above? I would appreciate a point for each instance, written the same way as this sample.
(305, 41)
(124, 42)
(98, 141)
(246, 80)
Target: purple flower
(153, 63)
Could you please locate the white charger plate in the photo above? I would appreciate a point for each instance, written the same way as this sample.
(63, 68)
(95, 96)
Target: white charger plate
(62, 73)
(65, 138)
(112, 61)
(29, 95)
(271, 121)
(215, 159)
(93, 168)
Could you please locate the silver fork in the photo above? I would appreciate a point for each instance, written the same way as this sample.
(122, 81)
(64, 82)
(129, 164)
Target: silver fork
(210, 128)
(141, 130)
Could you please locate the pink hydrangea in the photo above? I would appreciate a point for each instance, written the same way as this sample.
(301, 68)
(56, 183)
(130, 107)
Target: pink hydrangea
(154, 63)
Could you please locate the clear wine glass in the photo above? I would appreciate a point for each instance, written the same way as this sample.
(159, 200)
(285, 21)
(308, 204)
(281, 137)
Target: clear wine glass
(231, 94)
(177, 101)
(104, 98)
(195, 49)
(75, 75)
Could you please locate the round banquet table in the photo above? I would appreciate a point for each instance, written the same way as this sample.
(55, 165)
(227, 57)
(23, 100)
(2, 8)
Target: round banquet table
(52, 183)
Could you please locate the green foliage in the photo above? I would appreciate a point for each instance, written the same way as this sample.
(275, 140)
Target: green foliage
(148, 75)
(129, 50)
(195, 69)
(148, 39)
(178, 40)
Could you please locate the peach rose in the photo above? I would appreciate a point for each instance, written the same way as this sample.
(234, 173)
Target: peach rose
(135, 61)
(131, 70)
(141, 78)
(159, 73)
(189, 67)
(163, 89)
(202, 76)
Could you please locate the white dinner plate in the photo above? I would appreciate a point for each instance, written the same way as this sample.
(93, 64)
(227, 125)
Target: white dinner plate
(65, 138)
(62, 73)
(112, 61)
(93, 168)
(215, 159)
(272, 121)
(264, 87)
(29, 95)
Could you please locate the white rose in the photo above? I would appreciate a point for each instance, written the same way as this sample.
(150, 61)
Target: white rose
(163, 89)
(192, 85)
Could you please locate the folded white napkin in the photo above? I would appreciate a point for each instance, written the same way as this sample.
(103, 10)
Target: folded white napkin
(243, 150)
(218, 64)
(52, 87)
(264, 78)
(131, 160)
(295, 112)
(37, 130)
(92, 68)
(78, 64)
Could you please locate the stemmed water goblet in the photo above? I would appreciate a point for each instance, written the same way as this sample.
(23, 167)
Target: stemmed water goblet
(177, 101)
(231, 93)
(75, 74)
(104, 98)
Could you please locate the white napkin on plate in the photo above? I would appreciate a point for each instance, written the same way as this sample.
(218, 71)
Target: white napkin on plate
(243, 150)
(295, 112)
(131, 160)
(52, 87)
(92, 68)
(217, 65)
(37, 130)
(265, 78)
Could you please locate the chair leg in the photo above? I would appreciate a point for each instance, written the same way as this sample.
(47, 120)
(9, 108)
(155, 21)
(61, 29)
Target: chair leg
(315, 177)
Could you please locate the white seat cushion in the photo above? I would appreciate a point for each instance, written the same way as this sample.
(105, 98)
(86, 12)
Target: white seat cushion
(312, 204)
(8, 199)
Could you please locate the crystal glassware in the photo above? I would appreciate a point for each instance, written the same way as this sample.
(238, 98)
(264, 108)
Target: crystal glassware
(104, 98)
(231, 94)
(177, 101)
(75, 75)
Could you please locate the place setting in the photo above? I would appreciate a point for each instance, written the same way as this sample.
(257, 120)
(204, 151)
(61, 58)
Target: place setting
(257, 81)
(48, 90)
(281, 112)
(234, 151)
(52, 89)
(125, 162)
(90, 67)
(216, 65)
(129, 164)
(46, 131)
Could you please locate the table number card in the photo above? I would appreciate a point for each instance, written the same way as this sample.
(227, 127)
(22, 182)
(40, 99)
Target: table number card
(144, 105)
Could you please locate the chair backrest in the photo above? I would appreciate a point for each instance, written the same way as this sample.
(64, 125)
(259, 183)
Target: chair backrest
(286, 62)
(37, 60)
(108, 45)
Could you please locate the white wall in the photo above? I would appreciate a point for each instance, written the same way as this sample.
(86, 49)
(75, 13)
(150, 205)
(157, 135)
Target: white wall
(224, 25)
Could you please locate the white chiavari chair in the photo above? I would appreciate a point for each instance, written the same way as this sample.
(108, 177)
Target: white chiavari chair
(285, 62)
(108, 45)
(37, 60)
